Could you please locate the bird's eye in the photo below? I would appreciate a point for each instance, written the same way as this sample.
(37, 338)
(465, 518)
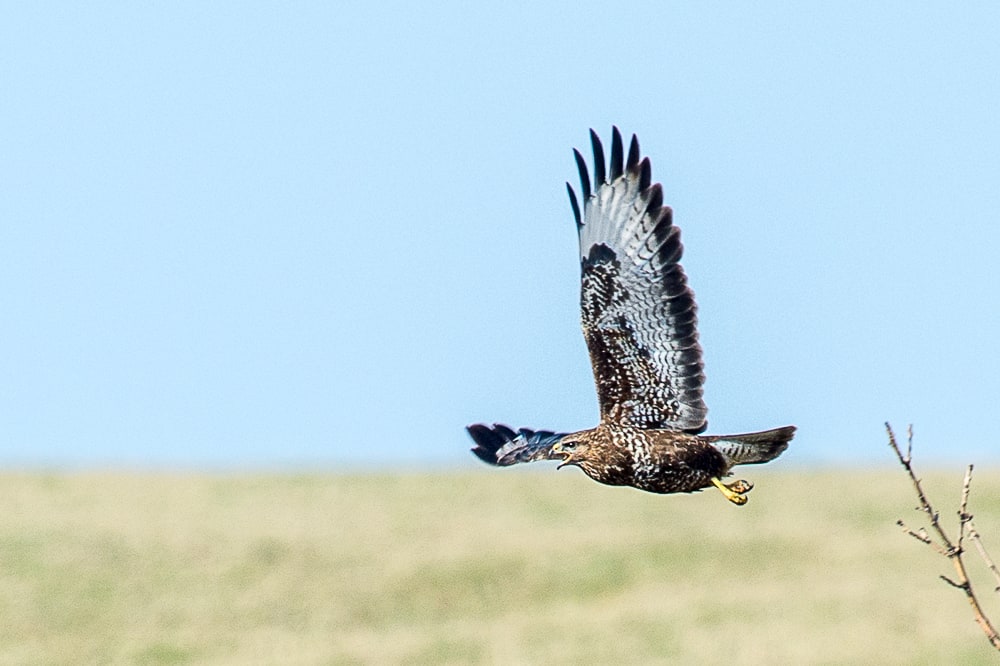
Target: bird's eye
(568, 445)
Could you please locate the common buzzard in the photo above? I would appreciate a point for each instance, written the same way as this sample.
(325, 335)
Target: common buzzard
(639, 320)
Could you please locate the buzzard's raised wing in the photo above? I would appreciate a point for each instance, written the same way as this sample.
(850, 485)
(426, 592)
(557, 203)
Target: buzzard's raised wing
(638, 314)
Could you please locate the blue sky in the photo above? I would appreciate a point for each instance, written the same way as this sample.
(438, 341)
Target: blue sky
(333, 234)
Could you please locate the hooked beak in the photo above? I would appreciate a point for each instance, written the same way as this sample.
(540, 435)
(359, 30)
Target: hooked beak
(557, 449)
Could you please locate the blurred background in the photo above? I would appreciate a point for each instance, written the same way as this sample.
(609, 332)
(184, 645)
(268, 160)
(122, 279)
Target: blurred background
(330, 235)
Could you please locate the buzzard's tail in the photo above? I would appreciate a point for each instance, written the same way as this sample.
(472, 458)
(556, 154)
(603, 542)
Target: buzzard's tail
(754, 447)
(499, 445)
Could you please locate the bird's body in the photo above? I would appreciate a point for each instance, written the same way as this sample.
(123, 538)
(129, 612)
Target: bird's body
(639, 321)
(665, 461)
(658, 461)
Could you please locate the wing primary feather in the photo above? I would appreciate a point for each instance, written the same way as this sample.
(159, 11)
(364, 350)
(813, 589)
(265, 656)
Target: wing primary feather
(575, 205)
(581, 164)
(633, 154)
(616, 153)
(655, 199)
(671, 249)
(645, 174)
(487, 442)
(507, 433)
(599, 171)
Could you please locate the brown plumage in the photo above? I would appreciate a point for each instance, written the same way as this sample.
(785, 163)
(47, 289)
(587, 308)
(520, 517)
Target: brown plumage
(640, 324)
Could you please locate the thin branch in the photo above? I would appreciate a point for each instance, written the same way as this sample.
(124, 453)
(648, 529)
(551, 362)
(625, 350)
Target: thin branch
(963, 515)
(925, 504)
(952, 550)
(974, 537)
(961, 586)
(922, 536)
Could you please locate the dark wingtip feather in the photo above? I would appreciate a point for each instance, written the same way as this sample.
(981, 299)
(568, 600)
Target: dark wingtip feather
(599, 171)
(487, 442)
(581, 164)
(505, 431)
(655, 199)
(665, 241)
(477, 431)
(488, 457)
(574, 204)
(645, 174)
(616, 153)
(633, 154)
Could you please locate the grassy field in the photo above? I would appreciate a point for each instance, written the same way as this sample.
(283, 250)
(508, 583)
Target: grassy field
(500, 567)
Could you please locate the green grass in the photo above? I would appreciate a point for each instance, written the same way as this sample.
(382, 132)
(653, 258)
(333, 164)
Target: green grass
(499, 567)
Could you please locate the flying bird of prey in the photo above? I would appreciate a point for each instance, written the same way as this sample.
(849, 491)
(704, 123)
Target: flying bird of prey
(639, 321)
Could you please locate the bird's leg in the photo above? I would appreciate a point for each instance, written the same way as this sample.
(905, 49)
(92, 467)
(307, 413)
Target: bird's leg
(734, 491)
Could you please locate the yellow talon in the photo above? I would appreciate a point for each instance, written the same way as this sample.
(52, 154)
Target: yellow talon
(731, 495)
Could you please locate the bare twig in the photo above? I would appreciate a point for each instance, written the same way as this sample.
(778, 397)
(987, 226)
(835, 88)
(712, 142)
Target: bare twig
(922, 536)
(974, 536)
(945, 546)
(963, 515)
(925, 504)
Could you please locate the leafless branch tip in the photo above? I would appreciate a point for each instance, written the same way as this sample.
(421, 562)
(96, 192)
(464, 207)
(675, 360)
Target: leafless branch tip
(953, 550)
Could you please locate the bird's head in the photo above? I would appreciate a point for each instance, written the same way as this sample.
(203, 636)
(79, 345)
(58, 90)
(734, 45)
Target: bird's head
(572, 449)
